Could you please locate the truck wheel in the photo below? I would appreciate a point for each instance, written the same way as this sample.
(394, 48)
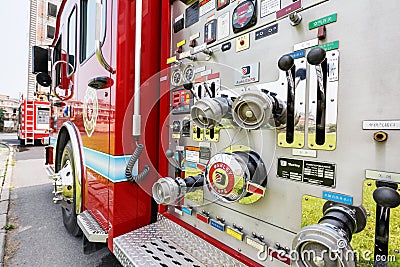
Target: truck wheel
(69, 207)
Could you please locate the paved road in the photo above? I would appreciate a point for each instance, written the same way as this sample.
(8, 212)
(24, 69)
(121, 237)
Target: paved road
(39, 238)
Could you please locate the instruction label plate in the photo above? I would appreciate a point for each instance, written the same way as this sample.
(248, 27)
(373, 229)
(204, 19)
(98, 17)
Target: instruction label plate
(269, 7)
(192, 14)
(322, 21)
(381, 125)
(311, 172)
(206, 6)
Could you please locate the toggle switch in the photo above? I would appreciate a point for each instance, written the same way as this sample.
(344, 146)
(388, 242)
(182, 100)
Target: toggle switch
(321, 32)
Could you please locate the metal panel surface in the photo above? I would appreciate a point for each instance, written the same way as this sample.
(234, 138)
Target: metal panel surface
(364, 79)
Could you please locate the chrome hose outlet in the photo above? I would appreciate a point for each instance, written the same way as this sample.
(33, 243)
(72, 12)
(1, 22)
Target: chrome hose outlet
(167, 190)
(208, 112)
(328, 242)
(255, 109)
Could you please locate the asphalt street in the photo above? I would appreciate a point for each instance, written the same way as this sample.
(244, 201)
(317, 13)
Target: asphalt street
(39, 237)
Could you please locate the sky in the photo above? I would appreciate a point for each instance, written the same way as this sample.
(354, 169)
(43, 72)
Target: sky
(14, 47)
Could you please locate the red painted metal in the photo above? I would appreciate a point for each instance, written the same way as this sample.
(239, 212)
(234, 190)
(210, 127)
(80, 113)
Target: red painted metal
(125, 206)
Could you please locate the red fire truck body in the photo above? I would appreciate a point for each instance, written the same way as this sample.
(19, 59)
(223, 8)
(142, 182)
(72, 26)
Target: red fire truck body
(102, 144)
(34, 121)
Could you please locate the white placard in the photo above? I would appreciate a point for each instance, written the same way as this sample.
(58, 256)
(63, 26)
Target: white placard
(205, 144)
(179, 211)
(306, 44)
(180, 148)
(199, 48)
(382, 176)
(184, 55)
(381, 125)
(200, 69)
(178, 18)
(192, 156)
(205, 73)
(206, 6)
(304, 153)
(223, 26)
(194, 36)
(247, 74)
(269, 7)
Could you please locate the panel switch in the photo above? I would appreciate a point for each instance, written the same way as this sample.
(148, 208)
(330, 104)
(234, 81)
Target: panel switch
(243, 42)
(321, 32)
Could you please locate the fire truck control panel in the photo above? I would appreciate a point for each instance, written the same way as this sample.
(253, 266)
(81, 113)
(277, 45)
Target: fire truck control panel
(280, 115)
(228, 132)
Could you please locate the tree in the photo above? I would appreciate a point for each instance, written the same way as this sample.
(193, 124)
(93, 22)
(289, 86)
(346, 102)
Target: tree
(2, 114)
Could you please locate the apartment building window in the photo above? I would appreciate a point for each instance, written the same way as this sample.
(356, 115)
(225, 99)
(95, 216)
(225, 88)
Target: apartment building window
(50, 32)
(51, 10)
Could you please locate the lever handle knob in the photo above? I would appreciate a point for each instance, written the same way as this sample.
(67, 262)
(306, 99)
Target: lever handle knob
(285, 63)
(386, 197)
(316, 56)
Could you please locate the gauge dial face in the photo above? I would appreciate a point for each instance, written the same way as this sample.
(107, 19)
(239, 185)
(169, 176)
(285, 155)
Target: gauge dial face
(244, 16)
(176, 77)
(188, 74)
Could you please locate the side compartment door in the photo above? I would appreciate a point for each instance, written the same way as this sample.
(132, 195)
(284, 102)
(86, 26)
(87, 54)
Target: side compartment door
(93, 119)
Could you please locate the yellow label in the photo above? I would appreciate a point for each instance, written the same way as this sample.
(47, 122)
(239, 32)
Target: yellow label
(234, 233)
(176, 136)
(181, 43)
(171, 60)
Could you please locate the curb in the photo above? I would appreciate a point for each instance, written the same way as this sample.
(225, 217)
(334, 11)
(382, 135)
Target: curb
(5, 201)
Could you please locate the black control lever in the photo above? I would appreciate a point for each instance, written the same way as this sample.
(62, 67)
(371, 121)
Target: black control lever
(317, 57)
(286, 63)
(189, 86)
(209, 93)
(386, 198)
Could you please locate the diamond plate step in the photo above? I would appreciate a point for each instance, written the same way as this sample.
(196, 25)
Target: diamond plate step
(91, 228)
(165, 243)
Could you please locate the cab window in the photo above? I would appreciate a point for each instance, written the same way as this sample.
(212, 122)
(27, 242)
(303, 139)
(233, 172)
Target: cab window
(88, 27)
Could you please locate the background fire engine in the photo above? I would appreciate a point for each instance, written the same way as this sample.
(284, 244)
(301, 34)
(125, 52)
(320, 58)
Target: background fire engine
(267, 131)
(34, 120)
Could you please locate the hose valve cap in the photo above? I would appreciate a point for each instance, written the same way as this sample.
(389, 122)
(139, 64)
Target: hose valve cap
(166, 191)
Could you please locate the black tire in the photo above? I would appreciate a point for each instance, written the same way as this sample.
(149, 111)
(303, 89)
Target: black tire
(69, 209)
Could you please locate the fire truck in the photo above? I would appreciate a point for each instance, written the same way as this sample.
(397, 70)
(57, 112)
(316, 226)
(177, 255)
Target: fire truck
(33, 121)
(228, 133)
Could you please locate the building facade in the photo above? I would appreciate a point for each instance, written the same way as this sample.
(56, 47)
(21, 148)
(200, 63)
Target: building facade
(10, 109)
(43, 15)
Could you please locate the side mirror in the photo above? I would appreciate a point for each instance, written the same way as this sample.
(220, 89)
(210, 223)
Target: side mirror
(44, 79)
(40, 59)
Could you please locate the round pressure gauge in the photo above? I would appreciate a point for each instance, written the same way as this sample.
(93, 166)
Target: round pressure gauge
(176, 77)
(244, 16)
(188, 74)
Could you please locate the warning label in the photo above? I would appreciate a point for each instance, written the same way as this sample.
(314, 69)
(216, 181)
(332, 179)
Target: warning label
(318, 173)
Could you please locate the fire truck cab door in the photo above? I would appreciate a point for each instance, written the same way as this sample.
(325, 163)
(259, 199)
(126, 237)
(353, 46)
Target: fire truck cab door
(94, 93)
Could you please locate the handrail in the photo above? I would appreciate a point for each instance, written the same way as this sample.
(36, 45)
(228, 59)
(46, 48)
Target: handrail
(98, 44)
